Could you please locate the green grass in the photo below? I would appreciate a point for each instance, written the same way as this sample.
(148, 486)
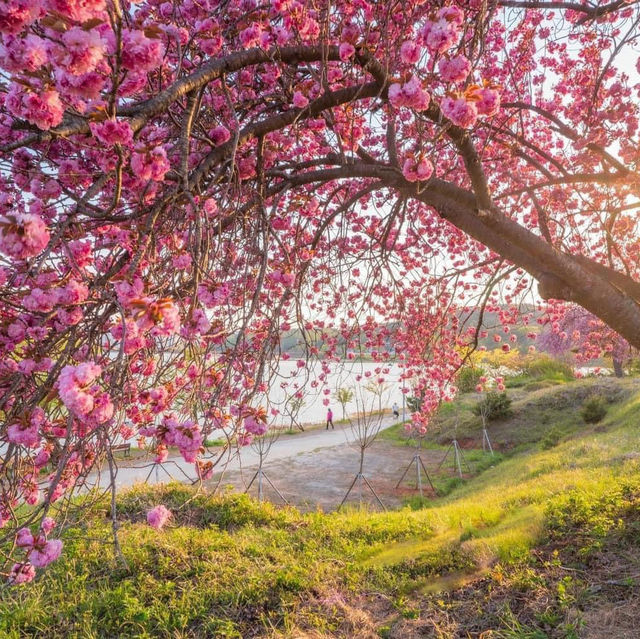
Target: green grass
(537, 412)
(230, 567)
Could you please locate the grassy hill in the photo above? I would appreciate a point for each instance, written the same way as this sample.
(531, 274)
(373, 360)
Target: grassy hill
(543, 544)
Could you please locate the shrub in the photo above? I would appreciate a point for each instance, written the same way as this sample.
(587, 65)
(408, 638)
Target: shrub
(469, 378)
(494, 406)
(551, 439)
(594, 409)
(545, 367)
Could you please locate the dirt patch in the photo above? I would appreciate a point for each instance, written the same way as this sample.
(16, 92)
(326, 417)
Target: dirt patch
(320, 479)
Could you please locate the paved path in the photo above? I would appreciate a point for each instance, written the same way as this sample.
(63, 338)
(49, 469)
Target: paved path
(287, 446)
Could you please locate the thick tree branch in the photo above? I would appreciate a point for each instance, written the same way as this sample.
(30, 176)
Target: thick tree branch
(560, 275)
(592, 11)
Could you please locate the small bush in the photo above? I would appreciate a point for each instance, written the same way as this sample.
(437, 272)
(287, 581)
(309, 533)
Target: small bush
(545, 367)
(551, 439)
(494, 406)
(469, 378)
(594, 409)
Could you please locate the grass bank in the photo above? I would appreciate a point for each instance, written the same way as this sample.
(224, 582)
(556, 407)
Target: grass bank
(457, 566)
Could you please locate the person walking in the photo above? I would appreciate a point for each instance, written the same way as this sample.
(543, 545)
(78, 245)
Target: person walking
(330, 419)
(396, 410)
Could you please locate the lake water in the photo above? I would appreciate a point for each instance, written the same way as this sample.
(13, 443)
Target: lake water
(364, 379)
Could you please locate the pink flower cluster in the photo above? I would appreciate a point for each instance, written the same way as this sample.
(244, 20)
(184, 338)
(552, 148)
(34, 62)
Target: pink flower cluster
(219, 134)
(23, 54)
(77, 10)
(22, 235)
(81, 50)
(441, 34)
(216, 297)
(40, 552)
(161, 316)
(83, 398)
(455, 69)
(410, 52)
(187, 436)
(16, 14)
(133, 339)
(283, 277)
(460, 111)
(112, 132)
(300, 100)
(410, 94)
(140, 53)
(42, 108)
(198, 324)
(158, 516)
(417, 169)
(463, 109)
(157, 399)
(150, 164)
(44, 300)
(488, 101)
(26, 433)
(255, 423)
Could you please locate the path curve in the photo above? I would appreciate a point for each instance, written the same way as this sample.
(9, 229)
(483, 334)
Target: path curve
(287, 446)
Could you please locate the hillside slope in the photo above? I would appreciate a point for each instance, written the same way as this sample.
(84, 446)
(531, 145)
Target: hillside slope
(541, 545)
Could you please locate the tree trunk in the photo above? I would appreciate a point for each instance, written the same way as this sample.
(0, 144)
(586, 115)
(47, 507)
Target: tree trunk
(617, 367)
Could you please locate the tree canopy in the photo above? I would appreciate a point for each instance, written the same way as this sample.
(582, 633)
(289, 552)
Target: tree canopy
(183, 182)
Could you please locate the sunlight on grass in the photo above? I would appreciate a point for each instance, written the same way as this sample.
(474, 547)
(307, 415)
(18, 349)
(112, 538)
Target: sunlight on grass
(228, 563)
(500, 514)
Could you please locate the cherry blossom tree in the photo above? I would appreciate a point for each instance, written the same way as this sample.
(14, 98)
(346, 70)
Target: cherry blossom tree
(577, 331)
(182, 182)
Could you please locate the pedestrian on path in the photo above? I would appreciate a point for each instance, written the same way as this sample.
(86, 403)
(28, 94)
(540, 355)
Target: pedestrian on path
(330, 419)
(396, 410)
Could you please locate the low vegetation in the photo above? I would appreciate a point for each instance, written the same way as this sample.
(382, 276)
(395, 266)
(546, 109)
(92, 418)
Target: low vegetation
(534, 546)
(594, 409)
(493, 406)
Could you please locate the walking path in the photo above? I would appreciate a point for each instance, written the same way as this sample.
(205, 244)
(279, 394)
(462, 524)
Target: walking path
(287, 446)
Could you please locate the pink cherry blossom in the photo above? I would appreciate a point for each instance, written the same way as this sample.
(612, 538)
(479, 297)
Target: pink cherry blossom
(140, 53)
(489, 102)
(77, 10)
(416, 170)
(45, 552)
(112, 132)
(300, 100)
(47, 525)
(460, 111)
(22, 235)
(23, 434)
(158, 516)
(42, 108)
(455, 69)
(23, 54)
(411, 94)
(16, 14)
(24, 538)
(410, 52)
(81, 50)
(250, 37)
(150, 164)
(162, 316)
(83, 398)
(346, 51)
(443, 33)
(220, 134)
(22, 573)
